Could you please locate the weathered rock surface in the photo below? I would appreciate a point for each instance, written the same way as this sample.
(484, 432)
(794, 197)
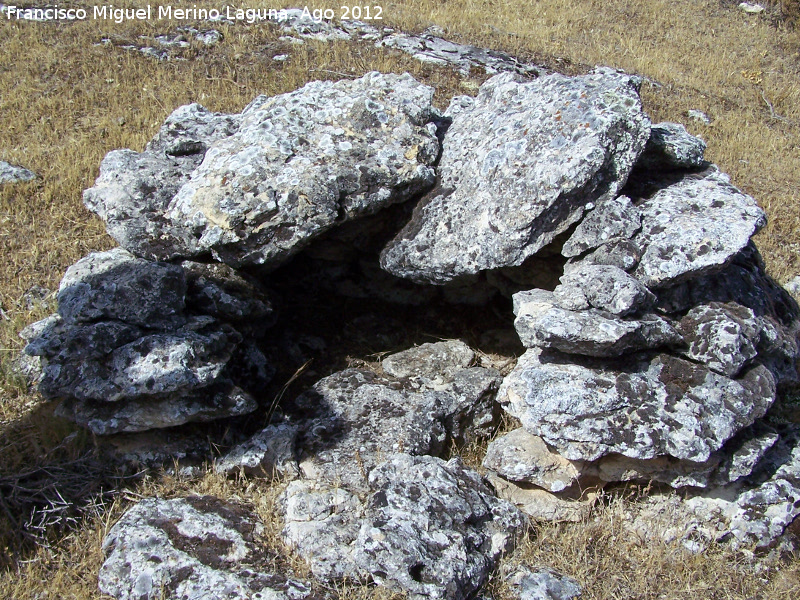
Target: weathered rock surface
(14, 174)
(603, 287)
(361, 416)
(283, 171)
(428, 527)
(520, 164)
(269, 453)
(541, 505)
(617, 218)
(672, 147)
(130, 348)
(195, 548)
(641, 407)
(542, 323)
(722, 336)
(694, 227)
(542, 584)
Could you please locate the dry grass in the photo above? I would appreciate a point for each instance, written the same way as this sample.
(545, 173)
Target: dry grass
(65, 102)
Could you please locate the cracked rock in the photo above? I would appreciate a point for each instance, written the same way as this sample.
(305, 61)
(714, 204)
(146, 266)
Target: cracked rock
(195, 548)
(520, 164)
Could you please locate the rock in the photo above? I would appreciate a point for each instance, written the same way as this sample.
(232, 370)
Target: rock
(606, 288)
(613, 219)
(220, 291)
(429, 361)
(117, 285)
(458, 528)
(221, 400)
(269, 453)
(362, 417)
(745, 283)
(751, 8)
(540, 323)
(617, 252)
(520, 164)
(542, 584)
(429, 528)
(721, 336)
(672, 147)
(192, 357)
(522, 457)
(641, 407)
(793, 287)
(541, 505)
(194, 548)
(14, 174)
(699, 116)
(694, 227)
(287, 169)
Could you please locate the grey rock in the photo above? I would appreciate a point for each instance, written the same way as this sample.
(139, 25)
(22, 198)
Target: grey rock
(14, 174)
(615, 218)
(721, 336)
(641, 407)
(542, 584)
(429, 361)
(745, 283)
(223, 399)
(269, 453)
(523, 457)
(672, 147)
(520, 164)
(190, 358)
(134, 189)
(433, 528)
(793, 287)
(117, 285)
(757, 511)
(617, 252)
(295, 166)
(194, 548)
(540, 323)
(606, 288)
(220, 291)
(362, 417)
(694, 227)
(699, 116)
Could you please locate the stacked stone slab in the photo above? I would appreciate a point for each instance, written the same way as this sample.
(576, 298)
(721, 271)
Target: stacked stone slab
(139, 345)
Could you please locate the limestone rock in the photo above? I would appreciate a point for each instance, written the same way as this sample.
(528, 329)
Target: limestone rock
(541, 505)
(641, 407)
(290, 168)
(195, 548)
(269, 453)
(540, 323)
(542, 584)
(694, 227)
(613, 219)
(14, 174)
(520, 164)
(217, 401)
(672, 147)
(606, 288)
(722, 336)
(433, 528)
(117, 285)
(427, 527)
(617, 252)
(362, 417)
(428, 361)
(520, 456)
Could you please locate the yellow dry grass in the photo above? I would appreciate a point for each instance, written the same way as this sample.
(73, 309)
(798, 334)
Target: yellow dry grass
(66, 100)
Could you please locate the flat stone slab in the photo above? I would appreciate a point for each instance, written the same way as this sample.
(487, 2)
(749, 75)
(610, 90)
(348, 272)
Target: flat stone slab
(694, 227)
(642, 407)
(288, 168)
(521, 162)
(194, 548)
(14, 174)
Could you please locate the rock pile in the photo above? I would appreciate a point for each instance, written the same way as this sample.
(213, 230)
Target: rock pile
(656, 343)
